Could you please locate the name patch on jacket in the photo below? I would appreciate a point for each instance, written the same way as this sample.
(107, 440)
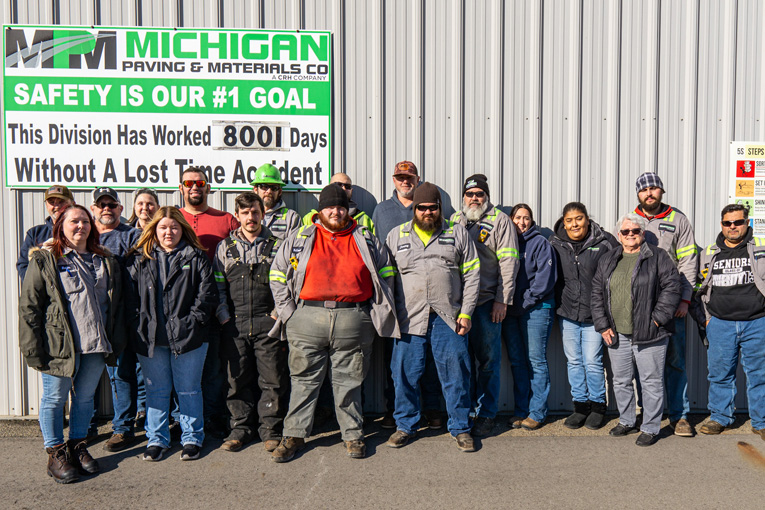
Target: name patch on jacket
(594, 248)
(403, 247)
(666, 227)
(759, 254)
(446, 240)
(487, 226)
(278, 228)
(297, 249)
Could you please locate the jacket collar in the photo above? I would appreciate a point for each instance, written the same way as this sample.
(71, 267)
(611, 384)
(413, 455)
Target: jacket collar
(665, 211)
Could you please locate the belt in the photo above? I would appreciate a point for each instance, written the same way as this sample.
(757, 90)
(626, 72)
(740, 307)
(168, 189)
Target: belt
(335, 304)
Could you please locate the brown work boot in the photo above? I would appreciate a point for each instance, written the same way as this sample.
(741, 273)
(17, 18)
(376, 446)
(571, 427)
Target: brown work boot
(287, 449)
(515, 422)
(232, 445)
(80, 457)
(712, 428)
(759, 432)
(119, 442)
(530, 424)
(683, 428)
(356, 449)
(59, 467)
(434, 418)
(465, 442)
(399, 439)
(271, 444)
(388, 421)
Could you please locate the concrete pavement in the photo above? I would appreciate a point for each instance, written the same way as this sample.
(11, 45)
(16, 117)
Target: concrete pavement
(549, 468)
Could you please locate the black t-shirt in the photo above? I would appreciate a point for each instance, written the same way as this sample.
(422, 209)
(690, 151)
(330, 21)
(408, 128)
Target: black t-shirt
(734, 296)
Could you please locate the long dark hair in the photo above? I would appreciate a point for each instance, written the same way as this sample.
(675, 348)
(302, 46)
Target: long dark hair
(61, 243)
(575, 206)
(518, 207)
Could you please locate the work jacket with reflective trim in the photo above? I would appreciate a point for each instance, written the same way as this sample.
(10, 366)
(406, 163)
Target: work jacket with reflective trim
(671, 231)
(496, 240)
(249, 254)
(281, 220)
(288, 274)
(443, 276)
(361, 217)
(756, 249)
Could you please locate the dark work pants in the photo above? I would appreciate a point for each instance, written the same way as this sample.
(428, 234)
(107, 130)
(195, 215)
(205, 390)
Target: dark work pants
(256, 366)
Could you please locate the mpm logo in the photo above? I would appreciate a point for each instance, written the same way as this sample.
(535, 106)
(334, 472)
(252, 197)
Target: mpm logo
(61, 49)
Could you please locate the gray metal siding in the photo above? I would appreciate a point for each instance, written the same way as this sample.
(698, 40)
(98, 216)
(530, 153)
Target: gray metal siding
(553, 100)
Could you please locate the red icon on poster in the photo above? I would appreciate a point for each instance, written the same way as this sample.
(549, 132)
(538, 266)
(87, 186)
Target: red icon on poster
(745, 169)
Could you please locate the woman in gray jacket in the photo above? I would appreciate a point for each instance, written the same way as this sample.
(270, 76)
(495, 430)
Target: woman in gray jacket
(635, 292)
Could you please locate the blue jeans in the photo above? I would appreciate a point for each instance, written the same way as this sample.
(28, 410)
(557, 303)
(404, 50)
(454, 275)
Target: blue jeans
(163, 372)
(88, 370)
(125, 382)
(486, 349)
(452, 360)
(526, 338)
(726, 340)
(675, 376)
(583, 347)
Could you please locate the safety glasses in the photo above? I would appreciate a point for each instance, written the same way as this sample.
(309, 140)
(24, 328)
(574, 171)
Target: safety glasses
(737, 223)
(628, 231)
(269, 187)
(477, 194)
(431, 208)
(201, 183)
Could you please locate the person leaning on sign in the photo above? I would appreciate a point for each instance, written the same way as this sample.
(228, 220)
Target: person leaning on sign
(328, 281)
(279, 219)
(732, 293)
(497, 243)
(71, 322)
(436, 288)
(171, 299)
(56, 198)
(635, 292)
(256, 364)
(360, 216)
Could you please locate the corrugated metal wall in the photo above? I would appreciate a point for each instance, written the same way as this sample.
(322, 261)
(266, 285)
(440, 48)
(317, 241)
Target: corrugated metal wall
(554, 100)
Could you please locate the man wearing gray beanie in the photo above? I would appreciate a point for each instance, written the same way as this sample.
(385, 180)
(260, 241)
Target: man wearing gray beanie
(670, 230)
(436, 289)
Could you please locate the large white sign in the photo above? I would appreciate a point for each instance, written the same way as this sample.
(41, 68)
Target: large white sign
(134, 107)
(747, 181)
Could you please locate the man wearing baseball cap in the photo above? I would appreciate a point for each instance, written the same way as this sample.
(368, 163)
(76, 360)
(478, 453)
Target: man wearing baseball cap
(56, 198)
(279, 219)
(670, 230)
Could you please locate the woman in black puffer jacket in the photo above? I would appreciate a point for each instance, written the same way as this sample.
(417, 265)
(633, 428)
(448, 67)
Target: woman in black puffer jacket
(635, 292)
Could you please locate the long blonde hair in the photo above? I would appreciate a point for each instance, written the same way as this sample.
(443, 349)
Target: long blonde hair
(148, 239)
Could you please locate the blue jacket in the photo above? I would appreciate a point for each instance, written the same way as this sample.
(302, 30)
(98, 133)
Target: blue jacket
(389, 214)
(537, 273)
(119, 241)
(35, 237)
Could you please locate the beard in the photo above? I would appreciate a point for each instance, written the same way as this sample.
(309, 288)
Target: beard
(408, 195)
(271, 201)
(475, 213)
(428, 224)
(333, 225)
(196, 200)
(650, 209)
(107, 220)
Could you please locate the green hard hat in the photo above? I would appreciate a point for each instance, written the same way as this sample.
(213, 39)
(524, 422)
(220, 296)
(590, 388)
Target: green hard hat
(267, 174)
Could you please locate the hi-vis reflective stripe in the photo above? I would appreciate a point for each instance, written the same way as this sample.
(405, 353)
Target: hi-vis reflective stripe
(470, 265)
(757, 241)
(277, 276)
(387, 271)
(507, 252)
(401, 232)
(492, 217)
(671, 216)
(710, 248)
(219, 277)
(687, 250)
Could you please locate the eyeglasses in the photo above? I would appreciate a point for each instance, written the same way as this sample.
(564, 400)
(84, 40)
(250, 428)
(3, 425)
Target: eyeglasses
(267, 187)
(477, 194)
(201, 183)
(729, 224)
(344, 185)
(628, 231)
(431, 208)
(108, 205)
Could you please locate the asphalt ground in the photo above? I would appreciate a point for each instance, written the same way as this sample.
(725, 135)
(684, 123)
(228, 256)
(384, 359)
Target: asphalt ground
(552, 467)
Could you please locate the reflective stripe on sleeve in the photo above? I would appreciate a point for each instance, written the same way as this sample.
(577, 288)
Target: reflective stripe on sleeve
(277, 276)
(470, 265)
(687, 250)
(507, 252)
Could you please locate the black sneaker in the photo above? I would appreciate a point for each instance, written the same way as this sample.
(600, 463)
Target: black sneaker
(622, 430)
(153, 453)
(482, 426)
(646, 439)
(190, 452)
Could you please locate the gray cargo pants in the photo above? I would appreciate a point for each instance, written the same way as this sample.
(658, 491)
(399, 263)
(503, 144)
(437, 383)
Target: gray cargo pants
(318, 337)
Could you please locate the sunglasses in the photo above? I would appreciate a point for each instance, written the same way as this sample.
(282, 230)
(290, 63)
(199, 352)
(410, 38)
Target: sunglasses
(267, 187)
(431, 208)
(344, 185)
(628, 231)
(190, 184)
(737, 223)
(477, 194)
(108, 205)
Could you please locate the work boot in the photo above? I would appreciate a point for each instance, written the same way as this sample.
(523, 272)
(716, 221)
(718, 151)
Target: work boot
(597, 415)
(622, 430)
(465, 442)
(712, 428)
(119, 442)
(232, 445)
(683, 428)
(80, 458)
(531, 424)
(578, 417)
(271, 444)
(356, 449)
(482, 426)
(399, 439)
(59, 467)
(759, 432)
(388, 422)
(646, 439)
(514, 422)
(434, 419)
(287, 449)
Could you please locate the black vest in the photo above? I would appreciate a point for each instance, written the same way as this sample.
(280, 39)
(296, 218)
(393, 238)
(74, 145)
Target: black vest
(249, 293)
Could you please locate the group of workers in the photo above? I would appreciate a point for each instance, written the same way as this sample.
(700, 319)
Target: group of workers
(256, 318)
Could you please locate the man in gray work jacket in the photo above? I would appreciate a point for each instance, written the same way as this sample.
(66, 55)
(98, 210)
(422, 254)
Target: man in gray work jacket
(436, 288)
(670, 230)
(328, 282)
(496, 240)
